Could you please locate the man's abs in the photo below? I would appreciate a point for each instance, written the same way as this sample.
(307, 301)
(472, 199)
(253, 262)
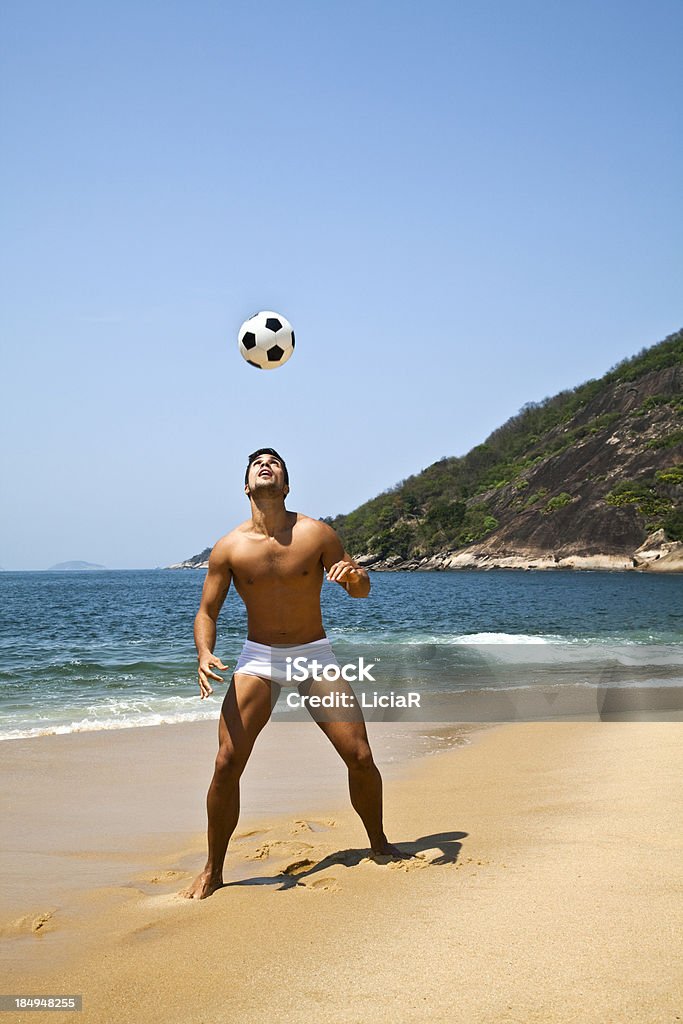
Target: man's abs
(282, 613)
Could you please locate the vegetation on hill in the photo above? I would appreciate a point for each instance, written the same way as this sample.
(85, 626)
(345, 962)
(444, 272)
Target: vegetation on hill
(516, 471)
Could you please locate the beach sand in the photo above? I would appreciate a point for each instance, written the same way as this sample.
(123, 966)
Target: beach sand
(544, 883)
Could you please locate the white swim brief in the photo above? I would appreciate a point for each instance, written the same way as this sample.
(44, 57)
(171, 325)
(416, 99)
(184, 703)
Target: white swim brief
(277, 663)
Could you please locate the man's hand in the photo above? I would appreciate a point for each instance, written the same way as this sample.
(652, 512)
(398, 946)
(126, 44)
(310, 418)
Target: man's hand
(206, 663)
(341, 572)
(353, 580)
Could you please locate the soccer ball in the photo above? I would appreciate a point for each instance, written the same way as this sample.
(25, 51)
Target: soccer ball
(266, 340)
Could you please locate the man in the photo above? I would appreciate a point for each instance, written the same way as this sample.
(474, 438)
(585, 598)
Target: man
(277, 561)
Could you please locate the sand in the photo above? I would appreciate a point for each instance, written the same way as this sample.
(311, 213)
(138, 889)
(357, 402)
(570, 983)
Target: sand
(544, 883)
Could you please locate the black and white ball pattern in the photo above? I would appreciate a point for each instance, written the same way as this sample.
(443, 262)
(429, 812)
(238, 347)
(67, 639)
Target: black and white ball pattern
(266, 340)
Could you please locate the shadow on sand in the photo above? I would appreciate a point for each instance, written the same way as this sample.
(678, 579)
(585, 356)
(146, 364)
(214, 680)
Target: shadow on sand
(448, 842)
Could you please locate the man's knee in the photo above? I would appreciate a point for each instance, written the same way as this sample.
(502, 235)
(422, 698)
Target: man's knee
(359, 758)
(228, 764)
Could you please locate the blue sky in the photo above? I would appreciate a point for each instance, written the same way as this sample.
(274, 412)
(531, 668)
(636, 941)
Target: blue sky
(459, 207)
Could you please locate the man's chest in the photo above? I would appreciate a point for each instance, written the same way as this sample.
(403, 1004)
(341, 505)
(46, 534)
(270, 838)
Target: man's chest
(269, 561)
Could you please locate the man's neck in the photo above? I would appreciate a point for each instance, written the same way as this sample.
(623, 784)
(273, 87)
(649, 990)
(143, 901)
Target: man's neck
(269, 516)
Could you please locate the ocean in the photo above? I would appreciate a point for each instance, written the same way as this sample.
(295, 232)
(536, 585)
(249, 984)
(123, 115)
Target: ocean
(83, 651)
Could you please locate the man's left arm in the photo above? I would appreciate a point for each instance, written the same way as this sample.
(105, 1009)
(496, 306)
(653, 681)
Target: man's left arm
(341, 568)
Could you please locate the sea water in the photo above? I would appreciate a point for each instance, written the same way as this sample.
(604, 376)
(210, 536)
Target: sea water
(84, 651)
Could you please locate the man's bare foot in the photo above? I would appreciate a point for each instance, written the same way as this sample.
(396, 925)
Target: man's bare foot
(386, 852)
(203, 885)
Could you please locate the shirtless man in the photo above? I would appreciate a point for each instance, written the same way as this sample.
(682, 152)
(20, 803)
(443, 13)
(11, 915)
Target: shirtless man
(277, 560)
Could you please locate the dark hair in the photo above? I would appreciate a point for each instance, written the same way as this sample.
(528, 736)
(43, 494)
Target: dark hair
(265, 451)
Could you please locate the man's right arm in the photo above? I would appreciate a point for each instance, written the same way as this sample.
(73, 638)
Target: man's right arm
(216, 586)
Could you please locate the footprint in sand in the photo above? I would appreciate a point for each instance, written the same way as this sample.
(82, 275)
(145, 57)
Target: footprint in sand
(279, 848)
(324, 884)
(297, 867)
(251, 833)
(313, 825)
(30, 924)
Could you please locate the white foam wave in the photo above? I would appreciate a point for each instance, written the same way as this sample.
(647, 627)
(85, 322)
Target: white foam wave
(500, 638)
(134, 719)
(441, 640)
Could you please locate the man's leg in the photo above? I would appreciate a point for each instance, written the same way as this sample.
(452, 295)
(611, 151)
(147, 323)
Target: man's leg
(350, 739)
(246, 709)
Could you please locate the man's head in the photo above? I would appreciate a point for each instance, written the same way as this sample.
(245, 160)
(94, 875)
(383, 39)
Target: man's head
(266, 471)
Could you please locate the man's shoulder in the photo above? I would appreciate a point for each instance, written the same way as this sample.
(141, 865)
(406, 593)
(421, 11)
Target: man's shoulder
(315, 531)
(313, 526)
(226, 544)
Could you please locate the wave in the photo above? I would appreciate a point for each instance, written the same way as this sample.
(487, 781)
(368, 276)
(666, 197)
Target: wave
(130, 717)
(502, 638)
(363, 639)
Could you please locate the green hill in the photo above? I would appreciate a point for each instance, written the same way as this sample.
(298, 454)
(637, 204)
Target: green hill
(592, 470)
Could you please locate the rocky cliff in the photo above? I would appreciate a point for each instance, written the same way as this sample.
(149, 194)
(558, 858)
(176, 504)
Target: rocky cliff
(199, 561)
(591, 478)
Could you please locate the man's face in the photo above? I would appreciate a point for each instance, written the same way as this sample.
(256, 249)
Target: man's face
(266, 476)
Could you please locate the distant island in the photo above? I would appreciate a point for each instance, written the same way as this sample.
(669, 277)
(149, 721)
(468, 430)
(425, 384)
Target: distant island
(591, 478)
(74, 567)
